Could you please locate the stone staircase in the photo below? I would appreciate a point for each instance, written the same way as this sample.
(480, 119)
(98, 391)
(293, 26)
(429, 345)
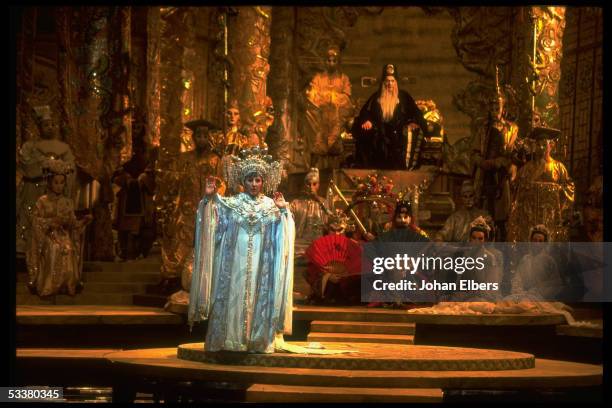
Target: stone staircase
(267, 393)
(361, 332)
(106, 283)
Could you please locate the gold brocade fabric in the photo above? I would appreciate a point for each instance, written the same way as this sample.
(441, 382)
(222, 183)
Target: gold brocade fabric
(544, 191)
(31, 158)
(236, 141)
(189, 175)
(494, 184)
(310, 218)
(329, 108)
(54, 250)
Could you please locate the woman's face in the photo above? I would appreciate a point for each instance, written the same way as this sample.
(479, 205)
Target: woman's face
(477, 237)
(312, 186)
(57, 183)
(253, 185)
(233, 116)
(48, 129)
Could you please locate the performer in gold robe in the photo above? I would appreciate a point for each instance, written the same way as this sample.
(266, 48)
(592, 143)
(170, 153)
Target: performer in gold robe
(544, 192)
(328, 109)
(309, 210)
(190, 174)
(236, 137)
(54, 251)
(30, 159)
(496, 162)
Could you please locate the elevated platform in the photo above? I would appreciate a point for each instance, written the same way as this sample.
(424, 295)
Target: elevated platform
(95, 315)
(163, 363)
(595, 331)
(364, 356)
(365, 314)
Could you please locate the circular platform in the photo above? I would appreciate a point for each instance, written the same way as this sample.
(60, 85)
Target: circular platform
(163, 363)
(365, 356)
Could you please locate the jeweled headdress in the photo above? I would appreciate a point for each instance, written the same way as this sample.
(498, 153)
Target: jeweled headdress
(403, 202)
(373, 186)
(312, 175)
(481, 224)
(338, 220)
(540, 229)
(53, 167)
(255, 160)
(42, 112)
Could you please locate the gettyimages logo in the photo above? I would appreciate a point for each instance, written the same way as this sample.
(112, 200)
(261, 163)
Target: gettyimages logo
(411, 264)
(434, 272)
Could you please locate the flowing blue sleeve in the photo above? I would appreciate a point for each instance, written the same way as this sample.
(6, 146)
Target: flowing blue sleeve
(204, 253)
(283, 271)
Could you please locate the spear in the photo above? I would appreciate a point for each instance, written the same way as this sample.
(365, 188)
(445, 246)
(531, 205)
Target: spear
(351, 212)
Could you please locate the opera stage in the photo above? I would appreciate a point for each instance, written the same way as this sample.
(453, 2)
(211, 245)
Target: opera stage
(384, 365)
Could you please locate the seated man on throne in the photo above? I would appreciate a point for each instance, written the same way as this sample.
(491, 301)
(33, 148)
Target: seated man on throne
(383, 129)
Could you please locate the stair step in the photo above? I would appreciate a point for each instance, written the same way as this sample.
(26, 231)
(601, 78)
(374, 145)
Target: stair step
(66, 353)
(132, 277)
(362, 338)
(292, 393)
(149, 300)
(142, 265)
(80, 299)
(99, 287)
(321, 326)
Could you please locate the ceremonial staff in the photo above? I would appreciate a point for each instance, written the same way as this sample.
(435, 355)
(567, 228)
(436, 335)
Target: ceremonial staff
(335, 188)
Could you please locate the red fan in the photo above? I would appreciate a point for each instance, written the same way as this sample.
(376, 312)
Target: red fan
(336, 249)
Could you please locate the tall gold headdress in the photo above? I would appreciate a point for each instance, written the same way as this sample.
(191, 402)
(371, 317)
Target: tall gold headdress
(54, 166)
(253, 161)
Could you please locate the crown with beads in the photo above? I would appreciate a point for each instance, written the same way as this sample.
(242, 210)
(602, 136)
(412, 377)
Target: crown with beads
(53, 166)
(253, 161)
(540, 229)
(42, 112)
(480, 224)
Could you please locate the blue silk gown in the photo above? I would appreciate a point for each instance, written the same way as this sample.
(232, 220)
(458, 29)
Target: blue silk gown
(242, 278)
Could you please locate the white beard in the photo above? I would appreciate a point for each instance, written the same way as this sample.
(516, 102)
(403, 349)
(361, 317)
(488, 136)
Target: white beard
(388, 101)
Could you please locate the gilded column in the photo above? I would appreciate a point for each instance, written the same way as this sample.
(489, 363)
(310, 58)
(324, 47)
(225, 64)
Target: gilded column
(282, 82)
(25, 75)
(172, 89)
(548, 24)
(249, 50)
(153, 75)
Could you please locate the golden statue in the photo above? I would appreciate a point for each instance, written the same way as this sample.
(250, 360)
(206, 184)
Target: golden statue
(328, 110)
(189, 175)
(544, 192)
(236, 137)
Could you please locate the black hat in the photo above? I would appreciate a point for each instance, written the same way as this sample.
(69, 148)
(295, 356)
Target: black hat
(389, 70)
(194, 124)
(544, 133)
(401, 205)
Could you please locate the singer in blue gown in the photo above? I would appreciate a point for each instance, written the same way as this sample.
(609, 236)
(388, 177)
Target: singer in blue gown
(242, 278)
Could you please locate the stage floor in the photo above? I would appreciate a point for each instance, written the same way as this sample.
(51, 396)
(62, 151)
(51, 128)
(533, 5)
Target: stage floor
(164, 363)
